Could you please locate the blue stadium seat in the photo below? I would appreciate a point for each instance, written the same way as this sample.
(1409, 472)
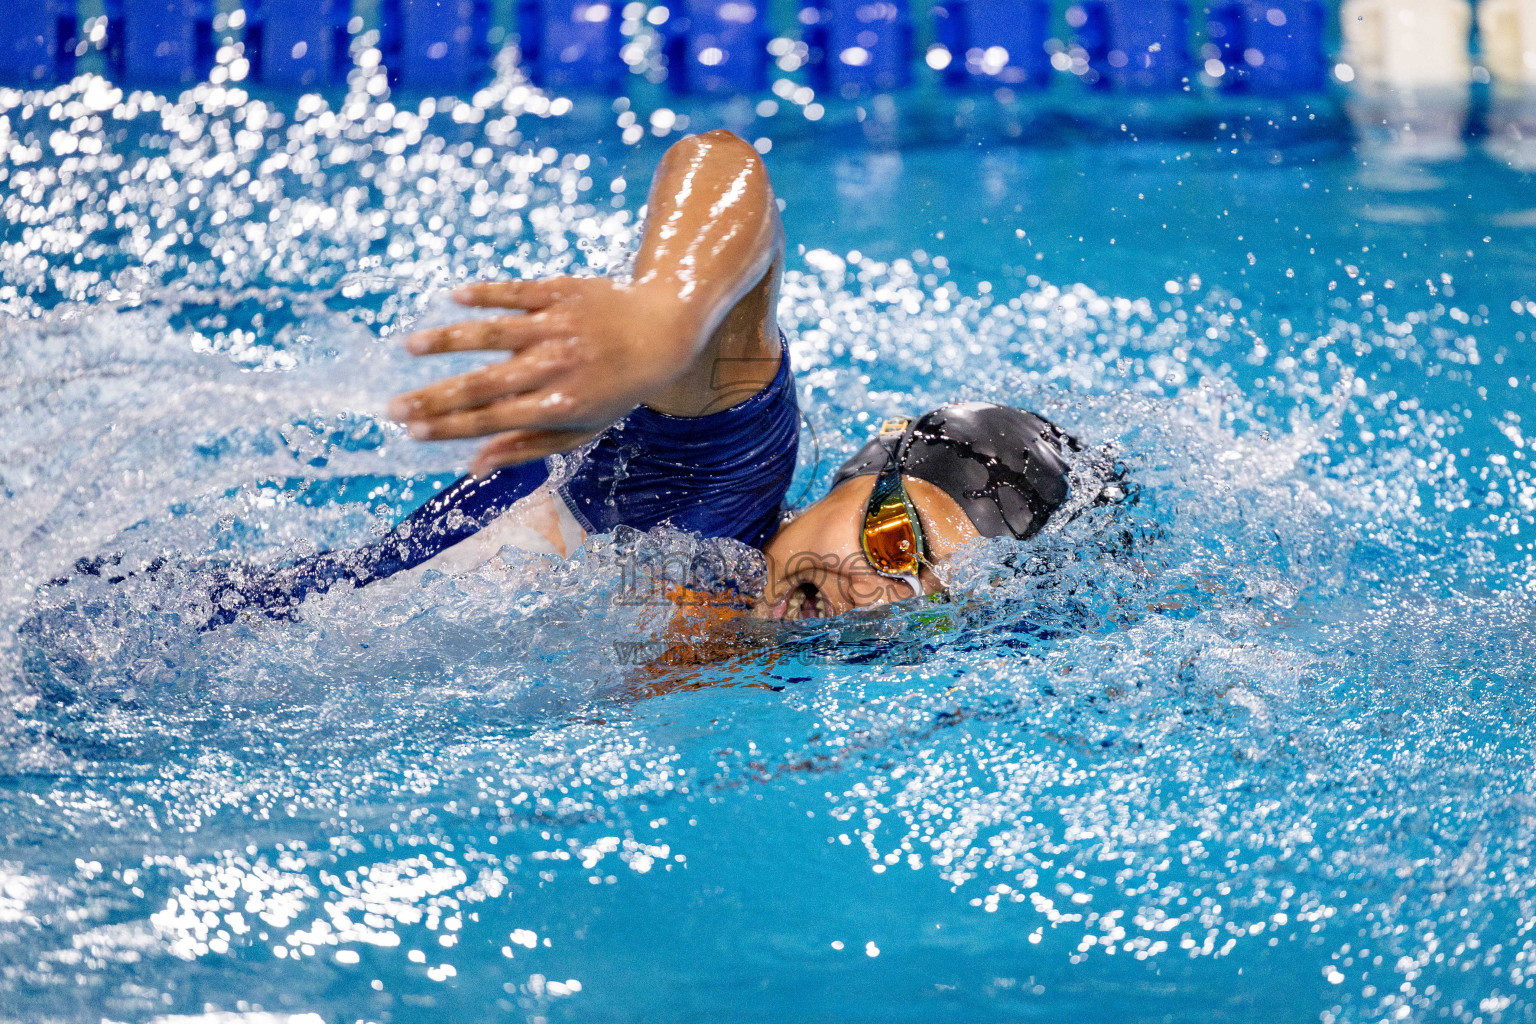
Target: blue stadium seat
(299, 43)
(528, 16)
(727, 47)
(1271, 46)
(435, 44)
(37, 41)
(166, 41)
(949, 34)
(860, 46)
(114, 42)
(1148, 44)
(675, 48)
(1224, 33)
(578, 45)
(1089, 22)
(815, 20)
(1005, 42)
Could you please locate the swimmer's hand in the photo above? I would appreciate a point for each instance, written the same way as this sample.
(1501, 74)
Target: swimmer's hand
(587, 351)
(695, 327)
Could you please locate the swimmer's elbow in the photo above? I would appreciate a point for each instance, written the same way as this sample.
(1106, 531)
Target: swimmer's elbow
(718, 141)
(721, 153)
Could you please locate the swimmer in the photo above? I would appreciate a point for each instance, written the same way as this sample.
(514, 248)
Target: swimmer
(682, 378)
(669, 400)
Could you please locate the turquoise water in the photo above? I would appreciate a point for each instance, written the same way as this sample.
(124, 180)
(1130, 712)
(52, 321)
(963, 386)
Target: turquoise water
(1253, 749)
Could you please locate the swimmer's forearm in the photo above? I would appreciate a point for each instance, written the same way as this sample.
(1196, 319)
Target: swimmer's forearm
(712, 233)
(692, 333)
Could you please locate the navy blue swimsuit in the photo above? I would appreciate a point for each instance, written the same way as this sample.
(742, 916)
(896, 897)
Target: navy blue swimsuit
(720, 475)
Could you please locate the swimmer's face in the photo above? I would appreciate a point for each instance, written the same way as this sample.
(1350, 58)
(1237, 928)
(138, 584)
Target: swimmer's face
(816, 564)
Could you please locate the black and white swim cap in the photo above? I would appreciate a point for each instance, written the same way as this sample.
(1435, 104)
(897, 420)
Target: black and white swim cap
(1005, 467)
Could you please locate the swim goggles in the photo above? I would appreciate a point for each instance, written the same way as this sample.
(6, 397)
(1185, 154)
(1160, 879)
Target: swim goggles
(893, 534)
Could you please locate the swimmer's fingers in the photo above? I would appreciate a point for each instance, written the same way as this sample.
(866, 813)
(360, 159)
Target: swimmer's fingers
(478, 388)
(502, 334)
(519, 446)
(536, 411)
(529, 295)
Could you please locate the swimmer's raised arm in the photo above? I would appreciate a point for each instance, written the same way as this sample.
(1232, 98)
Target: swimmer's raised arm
(694, 331)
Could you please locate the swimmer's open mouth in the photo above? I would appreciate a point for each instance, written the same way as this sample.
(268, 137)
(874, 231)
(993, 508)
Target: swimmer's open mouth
(804, 602)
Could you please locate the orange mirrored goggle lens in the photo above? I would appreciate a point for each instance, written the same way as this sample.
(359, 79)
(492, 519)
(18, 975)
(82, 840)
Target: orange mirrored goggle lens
(892, 538)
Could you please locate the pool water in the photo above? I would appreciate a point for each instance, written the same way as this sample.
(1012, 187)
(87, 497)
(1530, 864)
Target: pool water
(1254, 748)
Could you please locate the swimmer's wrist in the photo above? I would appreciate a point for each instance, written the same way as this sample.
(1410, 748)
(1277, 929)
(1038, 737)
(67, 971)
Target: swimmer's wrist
(678, 325)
